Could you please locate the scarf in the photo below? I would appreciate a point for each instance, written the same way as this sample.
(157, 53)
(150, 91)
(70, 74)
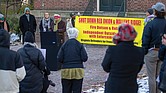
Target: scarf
(56, 24)
(44, 24)
(32, 44)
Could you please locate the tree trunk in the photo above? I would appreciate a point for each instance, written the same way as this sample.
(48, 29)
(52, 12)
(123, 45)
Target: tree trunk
(6, 9)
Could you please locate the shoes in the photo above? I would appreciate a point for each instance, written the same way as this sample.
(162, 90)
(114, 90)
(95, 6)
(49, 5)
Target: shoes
(51, 83)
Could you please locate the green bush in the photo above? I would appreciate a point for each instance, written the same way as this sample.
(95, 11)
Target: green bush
(14, 24)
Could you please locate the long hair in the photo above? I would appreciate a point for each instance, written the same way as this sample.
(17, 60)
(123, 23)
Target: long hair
(160, 14)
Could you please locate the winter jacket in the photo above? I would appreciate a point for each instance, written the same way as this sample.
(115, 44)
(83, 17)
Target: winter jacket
(61, 32)
(34, 65)
(26, 25)
(12, 70)
(72, 54)
(70, 23)
(152, 33)
(123, 62)
(2, 26)
(148, 19)
(51, 25)
(162, 57)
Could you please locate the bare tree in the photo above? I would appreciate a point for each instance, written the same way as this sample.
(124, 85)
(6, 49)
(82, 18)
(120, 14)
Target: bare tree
(14, 4)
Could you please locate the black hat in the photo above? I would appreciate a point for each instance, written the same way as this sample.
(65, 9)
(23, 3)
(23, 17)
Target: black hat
(72, 14)
(4, 38)
(150, 11)
(29, 37)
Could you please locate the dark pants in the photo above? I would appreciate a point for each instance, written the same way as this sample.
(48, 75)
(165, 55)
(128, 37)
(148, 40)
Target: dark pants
(72, 85)
(46, 84)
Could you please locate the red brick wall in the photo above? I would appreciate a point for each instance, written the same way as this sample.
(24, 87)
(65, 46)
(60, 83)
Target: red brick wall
(141, 5)
(80, 5)
(73, 5)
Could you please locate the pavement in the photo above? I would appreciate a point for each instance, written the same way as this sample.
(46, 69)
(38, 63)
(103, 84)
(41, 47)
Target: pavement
(94, 74)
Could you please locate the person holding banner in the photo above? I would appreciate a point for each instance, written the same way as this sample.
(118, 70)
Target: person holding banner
(123, 62)
(151, 41)
(71, 21)
(60, 28)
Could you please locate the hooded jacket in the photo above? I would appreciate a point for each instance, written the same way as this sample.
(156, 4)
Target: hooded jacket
(12, 70)
(34, 64)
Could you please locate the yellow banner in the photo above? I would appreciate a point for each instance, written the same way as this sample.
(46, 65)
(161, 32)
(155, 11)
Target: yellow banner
(100, 30)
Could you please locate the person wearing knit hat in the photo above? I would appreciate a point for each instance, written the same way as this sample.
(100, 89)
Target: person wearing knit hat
(60, 28)
(126, 32)
(149, 11)
(149, 16)
(72, 54)
(34, 63)
(71, 21)
(72, 33)
(3, 23)
(123, 61)
(12, 70)
(27, 22)
(151, 42)
(29, 37)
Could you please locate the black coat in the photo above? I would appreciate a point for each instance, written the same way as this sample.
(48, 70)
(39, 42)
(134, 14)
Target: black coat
(33, 81)
(26, 25)
(152, 33)
(123, 62)
(162, 75)
(72, 54)
(51, 25)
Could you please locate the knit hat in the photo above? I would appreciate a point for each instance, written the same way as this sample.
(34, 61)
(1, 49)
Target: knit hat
(72, 33)
(4, 38)
(150, 11)
(2, 17)
(126, 32)
(72, 14)
(26, 9)
(29, 37)
(56, 16)
(160, 7)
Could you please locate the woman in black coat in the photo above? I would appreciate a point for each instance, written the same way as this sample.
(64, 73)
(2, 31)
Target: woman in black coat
(34, 65)
(123, 61)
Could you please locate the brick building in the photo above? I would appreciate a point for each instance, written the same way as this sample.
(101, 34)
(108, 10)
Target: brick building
(98, 5)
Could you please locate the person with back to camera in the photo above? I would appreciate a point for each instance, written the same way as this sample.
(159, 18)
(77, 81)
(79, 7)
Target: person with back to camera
(151, 41)
(162, 57)
(72, 54)
(12, 70)
(123, 62)
(34, 64)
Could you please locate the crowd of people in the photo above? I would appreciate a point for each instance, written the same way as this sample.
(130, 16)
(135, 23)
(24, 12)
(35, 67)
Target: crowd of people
(25, 70)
